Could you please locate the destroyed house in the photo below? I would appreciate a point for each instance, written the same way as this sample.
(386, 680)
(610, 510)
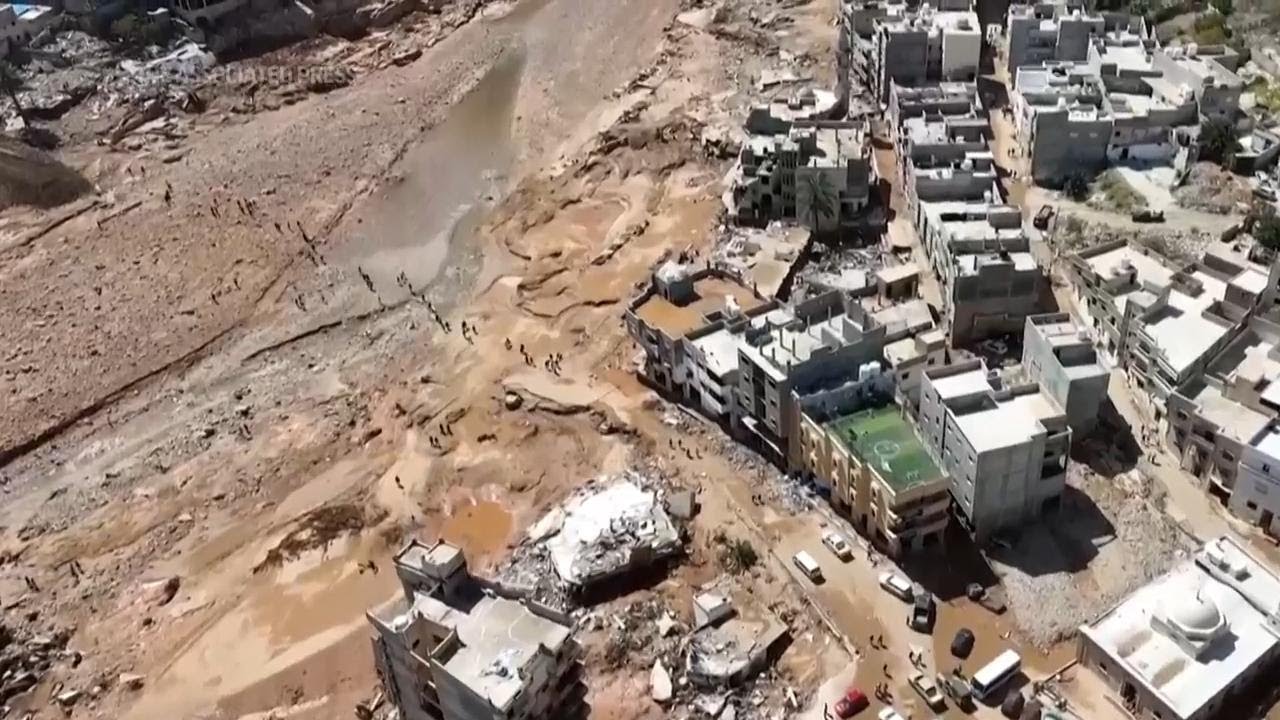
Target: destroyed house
(457, 647)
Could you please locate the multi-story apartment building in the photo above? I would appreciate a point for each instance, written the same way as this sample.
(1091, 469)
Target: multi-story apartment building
(880, 474)
(454, 648)
(823, 340)
(1059, 356)
(1042, 32)
(935, 42)
(1256, 495)
(778, 175)
(668, 320)
(1004, 448)
(1160, 322)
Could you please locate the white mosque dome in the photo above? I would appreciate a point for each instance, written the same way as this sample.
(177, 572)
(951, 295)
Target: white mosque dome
(1195, 616)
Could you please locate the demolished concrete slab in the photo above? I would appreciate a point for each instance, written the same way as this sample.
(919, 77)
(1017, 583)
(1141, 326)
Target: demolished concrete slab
(735, 649)
(609, 530)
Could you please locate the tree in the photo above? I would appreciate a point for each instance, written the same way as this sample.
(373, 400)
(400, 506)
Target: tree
(823, 198)
(1076, 187)
(1218, 142)
(1225, 7)
(1266, 227)
(10, 83)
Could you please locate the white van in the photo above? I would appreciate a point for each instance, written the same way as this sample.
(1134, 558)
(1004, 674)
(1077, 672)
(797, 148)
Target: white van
(807, 565)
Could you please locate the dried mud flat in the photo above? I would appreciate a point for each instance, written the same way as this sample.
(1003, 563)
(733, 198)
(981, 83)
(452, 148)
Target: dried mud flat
(225, 407)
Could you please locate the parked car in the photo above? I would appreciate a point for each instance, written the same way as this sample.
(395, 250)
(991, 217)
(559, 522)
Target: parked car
(838, 546)
(1043, 216)
(928, 689)
(808, 566)
(897, 586)
(923, 611)
(956, 688)
(853, 702)
(1147, 215)
(962, 643)
(889, 714)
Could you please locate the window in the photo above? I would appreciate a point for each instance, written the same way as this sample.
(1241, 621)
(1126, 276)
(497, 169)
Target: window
(1266, 468)
(1251, 505)
(932, 361)
(1228, 456)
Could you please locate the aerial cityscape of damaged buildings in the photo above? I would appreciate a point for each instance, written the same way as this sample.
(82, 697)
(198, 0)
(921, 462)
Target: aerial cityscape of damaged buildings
(881, 325)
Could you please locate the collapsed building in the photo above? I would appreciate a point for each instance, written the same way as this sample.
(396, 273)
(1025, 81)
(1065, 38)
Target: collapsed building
(458, 647)
(1194, 641)
(1004, 447)
(730, 645)
(797, 165)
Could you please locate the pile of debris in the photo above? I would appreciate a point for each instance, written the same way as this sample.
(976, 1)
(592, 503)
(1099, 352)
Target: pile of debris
(718, 668)
(25, 658)
(611, 527)
(849, 270)
(75, 67)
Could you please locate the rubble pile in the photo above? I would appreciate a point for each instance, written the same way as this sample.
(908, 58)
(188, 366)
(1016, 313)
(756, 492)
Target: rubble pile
(25, 658)
(644, 635)
(75, 67)
(608, 528)
(845, 269)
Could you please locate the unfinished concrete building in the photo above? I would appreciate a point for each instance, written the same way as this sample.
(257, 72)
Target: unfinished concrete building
(1160, 322)
(681, 306)
(826, 340)
(819, 175)
(457, 647)
(1192, 642)
(1046, 31)
(912, 345)
(1256, 495)
(941, 41)
(1005, 448)
(1125, 100)
(880, 475)
(1058, 355)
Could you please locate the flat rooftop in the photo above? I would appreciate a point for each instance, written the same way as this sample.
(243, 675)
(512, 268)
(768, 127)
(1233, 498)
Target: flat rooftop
(720, 349)
(1232, 418)
(971, 263)
(1181, 330)
(962, 384)
(710, 294)
(499, 638)
(1149, 269)
(1228, 607)
(885, 441)
(909, 317)
(795, 342)
(1009, 422)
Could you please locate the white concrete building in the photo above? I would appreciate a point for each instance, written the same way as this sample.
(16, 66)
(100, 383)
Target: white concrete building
(1256, 496)
(1005, 448)
(1185, 646)
(455, 649)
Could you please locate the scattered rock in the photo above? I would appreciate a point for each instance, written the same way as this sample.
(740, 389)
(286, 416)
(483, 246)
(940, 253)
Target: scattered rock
(666, 625)
(68, 698)
(161, 592)
(512, 400)
(660, 682)
(131, 681)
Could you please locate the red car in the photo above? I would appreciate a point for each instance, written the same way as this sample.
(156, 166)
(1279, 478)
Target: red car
(853, 702)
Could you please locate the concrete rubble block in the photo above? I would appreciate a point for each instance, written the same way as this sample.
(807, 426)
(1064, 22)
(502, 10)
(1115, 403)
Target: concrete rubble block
(660, 683)
(160, 592)
(131, 681)
(666, 624)
(68, 698)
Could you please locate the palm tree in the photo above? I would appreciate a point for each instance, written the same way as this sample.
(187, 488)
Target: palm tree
(10, 83)
(823, 198)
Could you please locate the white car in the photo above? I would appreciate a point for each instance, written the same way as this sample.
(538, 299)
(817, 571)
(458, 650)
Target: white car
(889, 714)
(897, 586)
(838, 546)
